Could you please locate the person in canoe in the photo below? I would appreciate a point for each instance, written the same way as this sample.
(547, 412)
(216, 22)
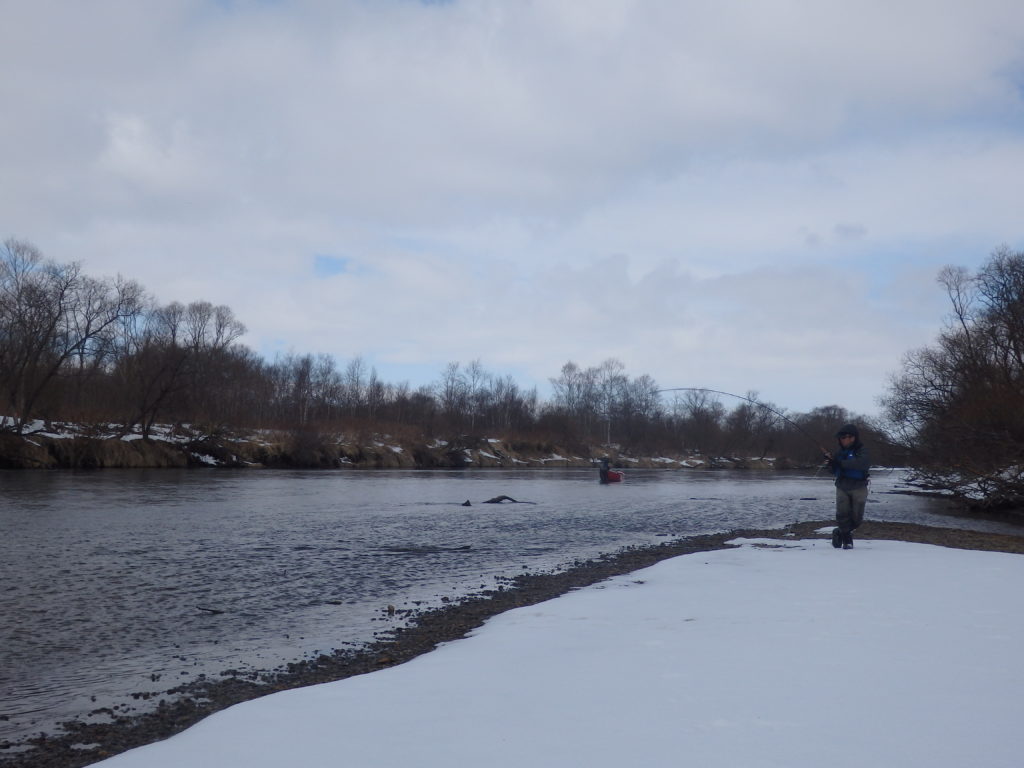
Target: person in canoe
(607, 474)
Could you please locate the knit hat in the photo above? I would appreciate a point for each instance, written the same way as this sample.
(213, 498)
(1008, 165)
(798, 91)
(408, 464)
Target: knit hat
(848, 429)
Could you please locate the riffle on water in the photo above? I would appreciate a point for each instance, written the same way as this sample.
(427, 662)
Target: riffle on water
(127, 582)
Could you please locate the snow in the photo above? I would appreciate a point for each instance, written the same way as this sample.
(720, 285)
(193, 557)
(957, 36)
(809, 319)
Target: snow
(776, 653)
(553, 457)
(56, 435)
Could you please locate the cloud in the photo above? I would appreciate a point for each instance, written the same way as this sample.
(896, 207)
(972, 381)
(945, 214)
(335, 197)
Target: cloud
(409, 112)
(688, 187)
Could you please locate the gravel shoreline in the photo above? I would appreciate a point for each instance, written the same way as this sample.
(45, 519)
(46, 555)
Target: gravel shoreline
(82, 743)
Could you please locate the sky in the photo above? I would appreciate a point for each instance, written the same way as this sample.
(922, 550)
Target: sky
(771, 654)
(733, 195)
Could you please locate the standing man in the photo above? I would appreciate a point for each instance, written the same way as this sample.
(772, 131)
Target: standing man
(850, 465)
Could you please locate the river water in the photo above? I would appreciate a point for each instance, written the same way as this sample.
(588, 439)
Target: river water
(128, 581)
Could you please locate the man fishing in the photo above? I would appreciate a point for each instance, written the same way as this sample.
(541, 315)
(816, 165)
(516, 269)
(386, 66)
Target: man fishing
(850, 465)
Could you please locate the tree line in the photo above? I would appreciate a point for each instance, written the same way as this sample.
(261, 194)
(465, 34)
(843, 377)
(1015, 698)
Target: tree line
(105, 352)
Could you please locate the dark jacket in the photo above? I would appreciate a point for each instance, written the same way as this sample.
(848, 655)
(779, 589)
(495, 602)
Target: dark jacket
(851, 465)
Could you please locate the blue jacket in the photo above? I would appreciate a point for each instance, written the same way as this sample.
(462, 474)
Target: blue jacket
(851, 466)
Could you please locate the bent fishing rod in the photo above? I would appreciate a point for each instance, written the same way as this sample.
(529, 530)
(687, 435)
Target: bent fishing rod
(752, 401)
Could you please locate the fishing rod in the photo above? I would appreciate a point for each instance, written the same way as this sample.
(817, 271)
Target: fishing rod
(965, 469)
(752, 401)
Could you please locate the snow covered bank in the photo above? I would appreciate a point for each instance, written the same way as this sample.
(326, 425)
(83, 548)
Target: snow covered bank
(775, 653)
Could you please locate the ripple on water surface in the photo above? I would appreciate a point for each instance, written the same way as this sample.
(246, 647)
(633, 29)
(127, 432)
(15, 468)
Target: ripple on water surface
(123, 582)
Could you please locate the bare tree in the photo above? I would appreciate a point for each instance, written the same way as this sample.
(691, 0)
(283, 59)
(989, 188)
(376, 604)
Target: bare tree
(703, 422)
(52, 316)
(453, 394)
(355, 385)
(176, 360)
(611, 382)
(475, 380)
(959, 404)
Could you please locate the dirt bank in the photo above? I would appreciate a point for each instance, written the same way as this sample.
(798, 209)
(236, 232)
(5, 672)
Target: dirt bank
(74, 447)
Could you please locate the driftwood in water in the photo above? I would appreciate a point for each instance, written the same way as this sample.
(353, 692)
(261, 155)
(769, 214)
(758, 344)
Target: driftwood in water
(499, 499)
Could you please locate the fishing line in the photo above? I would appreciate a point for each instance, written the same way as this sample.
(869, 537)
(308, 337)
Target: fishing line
(804, 432)
(752, 401)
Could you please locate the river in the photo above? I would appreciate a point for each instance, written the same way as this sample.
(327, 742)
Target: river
(122, 582)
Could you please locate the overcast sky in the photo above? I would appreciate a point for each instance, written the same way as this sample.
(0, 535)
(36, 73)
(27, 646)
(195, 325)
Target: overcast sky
(731, 194)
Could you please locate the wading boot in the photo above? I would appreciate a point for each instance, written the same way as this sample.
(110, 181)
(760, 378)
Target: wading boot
(848, 541)
(837, 538)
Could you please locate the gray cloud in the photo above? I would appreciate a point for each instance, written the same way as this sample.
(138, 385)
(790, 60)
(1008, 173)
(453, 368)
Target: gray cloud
(524, 182)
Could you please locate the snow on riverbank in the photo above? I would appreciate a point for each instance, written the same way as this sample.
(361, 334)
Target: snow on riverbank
(102, 445)
(772, 654)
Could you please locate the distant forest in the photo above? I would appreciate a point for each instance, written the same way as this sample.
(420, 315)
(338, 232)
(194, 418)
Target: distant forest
(103, 351)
